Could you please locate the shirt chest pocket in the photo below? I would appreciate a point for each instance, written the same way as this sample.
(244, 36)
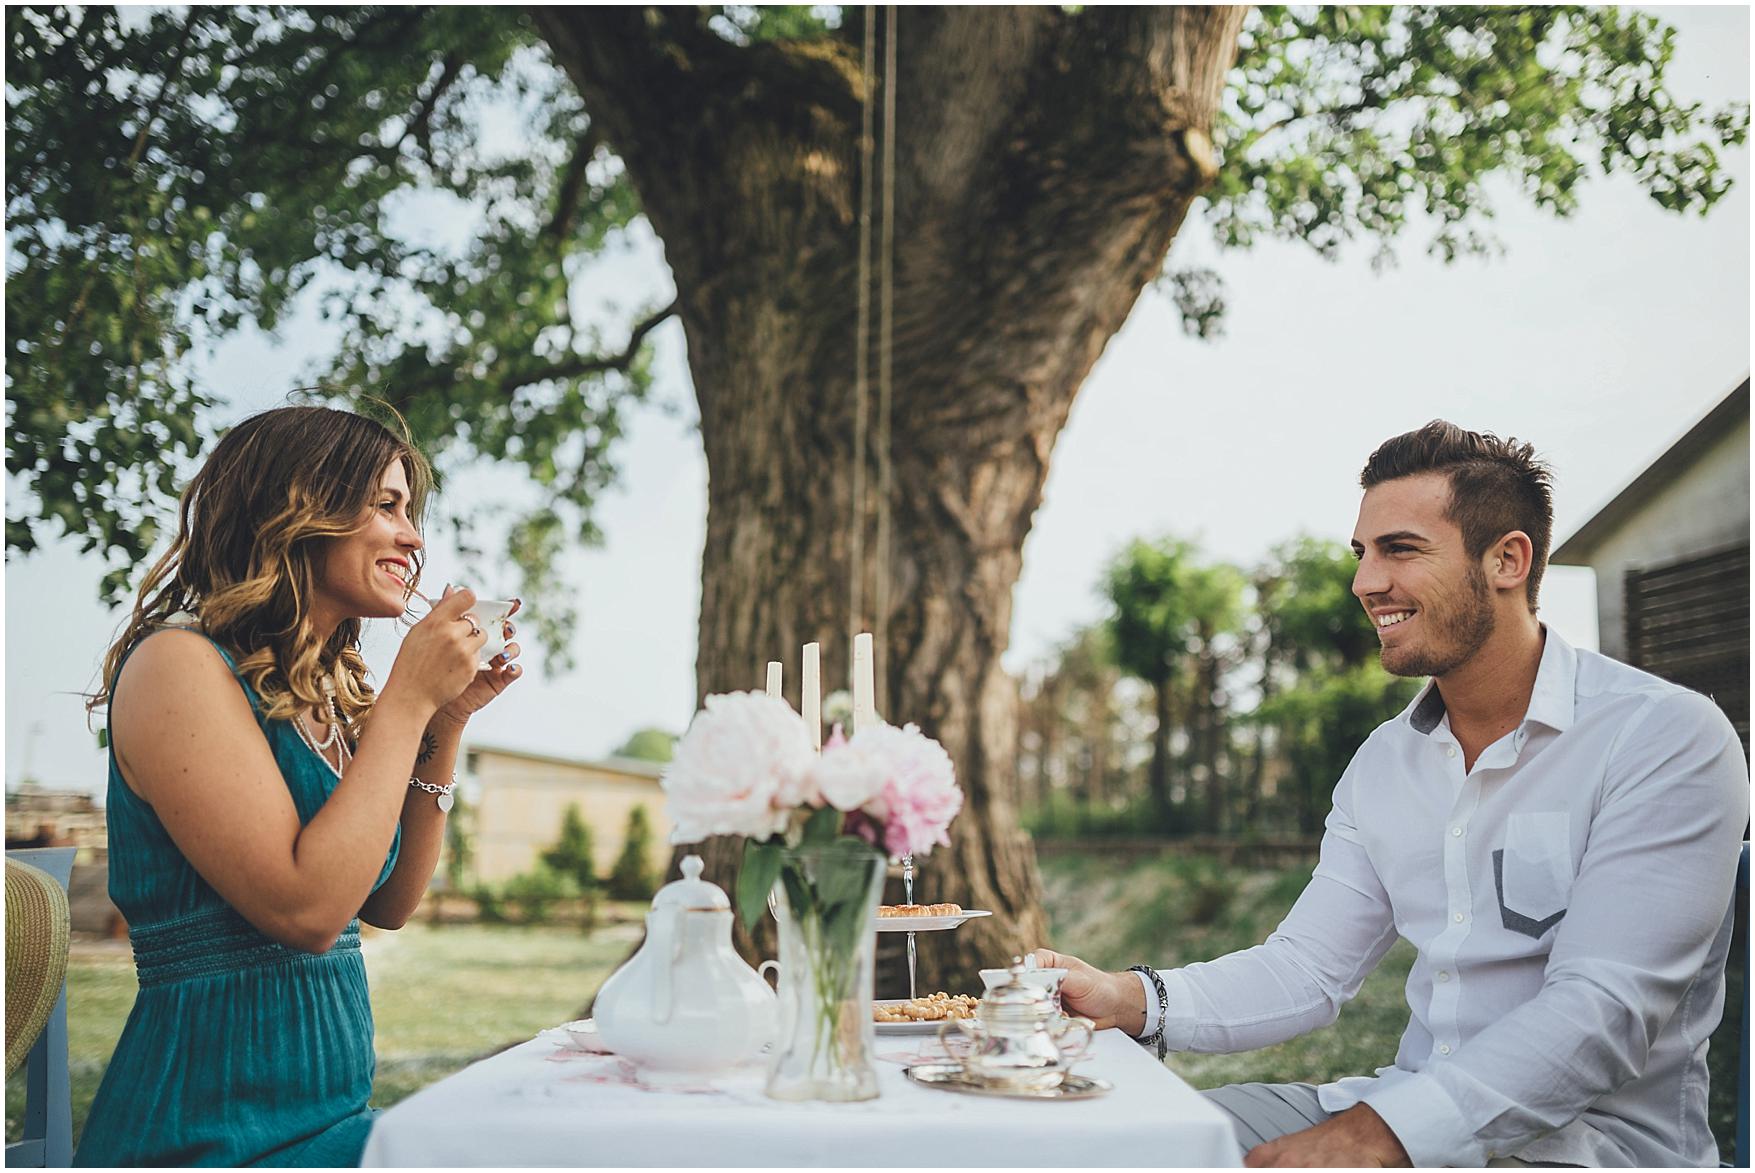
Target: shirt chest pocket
(1533, 871)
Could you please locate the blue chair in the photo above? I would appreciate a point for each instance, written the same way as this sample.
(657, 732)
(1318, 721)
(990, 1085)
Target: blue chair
(48, 1099)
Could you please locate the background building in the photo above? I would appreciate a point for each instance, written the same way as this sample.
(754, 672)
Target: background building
(520, 798)
(1671, 555)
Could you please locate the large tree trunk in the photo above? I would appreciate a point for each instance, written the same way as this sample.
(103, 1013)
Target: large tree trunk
(1158, 779)
(1211, 731)
(1044, 161)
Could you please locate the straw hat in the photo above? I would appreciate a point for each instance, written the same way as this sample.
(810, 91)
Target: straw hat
(36, 956)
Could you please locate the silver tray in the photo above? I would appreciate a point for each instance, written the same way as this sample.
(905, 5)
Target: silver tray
(952, 1078)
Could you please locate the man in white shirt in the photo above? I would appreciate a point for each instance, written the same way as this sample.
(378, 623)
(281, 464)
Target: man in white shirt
(1556, 833)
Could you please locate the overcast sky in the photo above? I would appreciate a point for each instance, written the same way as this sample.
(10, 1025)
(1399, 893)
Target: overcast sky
(1600, 339)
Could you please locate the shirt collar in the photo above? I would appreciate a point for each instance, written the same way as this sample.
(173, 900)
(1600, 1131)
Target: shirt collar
(1556, 684)
(1551, 702)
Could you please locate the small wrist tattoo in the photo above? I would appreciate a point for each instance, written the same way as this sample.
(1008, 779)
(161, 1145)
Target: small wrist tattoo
(429, 746)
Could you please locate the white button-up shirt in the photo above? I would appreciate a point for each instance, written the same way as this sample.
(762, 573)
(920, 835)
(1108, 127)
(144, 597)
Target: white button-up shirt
(1569, 897)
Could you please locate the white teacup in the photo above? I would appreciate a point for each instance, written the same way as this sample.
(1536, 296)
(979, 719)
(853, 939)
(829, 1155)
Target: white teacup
(491, 616)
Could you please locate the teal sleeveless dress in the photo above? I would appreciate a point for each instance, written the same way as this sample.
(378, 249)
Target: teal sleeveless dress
(239, 1050)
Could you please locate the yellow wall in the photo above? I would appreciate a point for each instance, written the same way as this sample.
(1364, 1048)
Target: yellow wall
(522, 800)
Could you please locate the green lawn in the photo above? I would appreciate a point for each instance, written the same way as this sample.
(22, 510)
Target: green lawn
(1172, 911)
(445, 996)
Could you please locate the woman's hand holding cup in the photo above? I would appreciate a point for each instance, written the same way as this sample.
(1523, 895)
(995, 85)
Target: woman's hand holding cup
(439, 654)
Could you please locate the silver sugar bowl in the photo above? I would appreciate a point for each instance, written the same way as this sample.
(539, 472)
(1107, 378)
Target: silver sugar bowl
(1017, 1039)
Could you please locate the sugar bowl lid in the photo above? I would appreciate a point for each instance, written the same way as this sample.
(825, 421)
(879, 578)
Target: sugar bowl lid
(691, 893)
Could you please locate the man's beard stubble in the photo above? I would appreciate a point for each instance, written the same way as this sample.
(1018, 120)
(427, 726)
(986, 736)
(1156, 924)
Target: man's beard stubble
(1458, 632)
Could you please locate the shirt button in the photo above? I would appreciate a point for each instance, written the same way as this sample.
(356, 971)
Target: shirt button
(1450, 751)
(1459, 918)
(1456, 832)
(1444, 975)
(1444, 1048)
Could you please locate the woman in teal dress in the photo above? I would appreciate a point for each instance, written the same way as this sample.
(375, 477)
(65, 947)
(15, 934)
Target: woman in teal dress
(264, 799)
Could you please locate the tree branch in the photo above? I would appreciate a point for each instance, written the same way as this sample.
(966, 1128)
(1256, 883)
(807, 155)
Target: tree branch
(571, 367)
(575, 366)
(572, 189)
(420, 126)
(1333, 113)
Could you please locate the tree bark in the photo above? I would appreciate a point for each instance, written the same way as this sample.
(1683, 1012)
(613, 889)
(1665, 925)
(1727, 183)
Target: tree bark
(1044, 162)
(1158, 779)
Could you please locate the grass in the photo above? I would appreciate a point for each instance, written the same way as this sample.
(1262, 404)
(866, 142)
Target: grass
(1173, 910)
(446, 996)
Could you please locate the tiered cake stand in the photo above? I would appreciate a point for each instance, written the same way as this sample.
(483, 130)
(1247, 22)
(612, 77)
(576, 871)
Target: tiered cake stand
(919, 924)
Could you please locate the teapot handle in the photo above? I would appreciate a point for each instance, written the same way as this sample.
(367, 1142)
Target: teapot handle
(965, 1028)
(666, 944)
(1070, 1054)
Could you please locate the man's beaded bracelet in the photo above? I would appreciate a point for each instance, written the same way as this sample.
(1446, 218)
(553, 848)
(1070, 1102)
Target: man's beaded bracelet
(444, 792)
(1156, 1037)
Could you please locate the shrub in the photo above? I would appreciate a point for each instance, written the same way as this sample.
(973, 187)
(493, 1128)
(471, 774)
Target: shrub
(633, 877)
(571, 855)
(536, 890)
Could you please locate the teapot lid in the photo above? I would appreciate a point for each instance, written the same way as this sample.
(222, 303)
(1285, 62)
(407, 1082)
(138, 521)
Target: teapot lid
(691, 892)
(1017, 999)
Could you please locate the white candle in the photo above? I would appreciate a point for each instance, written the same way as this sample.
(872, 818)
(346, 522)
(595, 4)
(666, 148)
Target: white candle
(810, 700)
(774, 678)
(864, 694)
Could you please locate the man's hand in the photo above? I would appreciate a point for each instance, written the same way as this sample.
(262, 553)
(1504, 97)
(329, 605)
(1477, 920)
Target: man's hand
(1107, 999)
(1356, 1138)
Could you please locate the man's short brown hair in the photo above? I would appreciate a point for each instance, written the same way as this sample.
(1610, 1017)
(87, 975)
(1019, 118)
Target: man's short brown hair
(1496, 486)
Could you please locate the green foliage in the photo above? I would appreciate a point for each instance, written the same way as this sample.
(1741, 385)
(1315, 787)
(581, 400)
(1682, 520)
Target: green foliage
(1307, 605)
(755, 879)
(633, 877)
(175, 173)
(536, 891)
(1353, 123)
(571, 855)
(648, 745)
(1062, 816)
(742, 23)
(565, 871)
(1323, 720)
(1165, 605)
(489, 906)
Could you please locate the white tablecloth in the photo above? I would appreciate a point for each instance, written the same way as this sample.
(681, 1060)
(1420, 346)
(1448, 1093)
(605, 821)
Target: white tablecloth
(542, 1104)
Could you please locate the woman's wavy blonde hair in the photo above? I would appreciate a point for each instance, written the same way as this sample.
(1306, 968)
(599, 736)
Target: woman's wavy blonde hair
(252, 530)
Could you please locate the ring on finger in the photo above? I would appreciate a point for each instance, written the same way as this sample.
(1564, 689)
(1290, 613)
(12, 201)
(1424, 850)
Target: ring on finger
(474, 628)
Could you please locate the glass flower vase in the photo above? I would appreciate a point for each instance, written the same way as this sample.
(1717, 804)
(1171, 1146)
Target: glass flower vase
(825, 900)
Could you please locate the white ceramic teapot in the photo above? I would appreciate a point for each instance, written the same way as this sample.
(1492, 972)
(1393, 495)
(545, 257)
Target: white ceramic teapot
(686, 1001)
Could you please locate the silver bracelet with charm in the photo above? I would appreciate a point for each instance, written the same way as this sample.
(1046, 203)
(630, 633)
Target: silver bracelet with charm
(444, 792)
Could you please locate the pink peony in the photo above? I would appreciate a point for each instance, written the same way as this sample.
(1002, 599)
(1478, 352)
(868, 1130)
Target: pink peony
(919, 795)
(743, 768)
(848, 777)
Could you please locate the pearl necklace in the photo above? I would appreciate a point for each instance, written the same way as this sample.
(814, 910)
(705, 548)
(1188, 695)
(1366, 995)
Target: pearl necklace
(332, 738)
